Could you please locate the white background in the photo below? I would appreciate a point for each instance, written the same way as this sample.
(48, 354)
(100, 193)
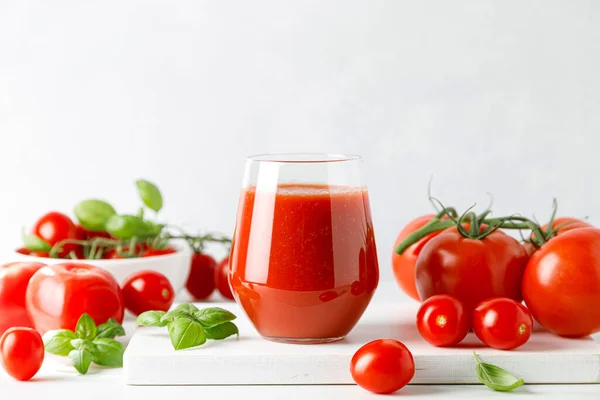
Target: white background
(486, 96)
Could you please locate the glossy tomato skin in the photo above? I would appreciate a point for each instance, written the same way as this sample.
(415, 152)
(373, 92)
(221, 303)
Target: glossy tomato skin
(222, 278)
(146, 291)
(151, 252)
(565, 224)
(14, 278)
(561, 284)
(404, 264)
(502, 323)
(55, 227)
(201, 281)
(59, 294)
(471, 270)
(443, 321)
(21, 352)
(382, 366)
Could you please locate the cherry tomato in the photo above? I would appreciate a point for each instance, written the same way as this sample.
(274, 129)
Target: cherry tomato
(201, 281)
(21, 352)
(442, 320)
(471, 270)
(382, 366)
(14, 278)
(561, 284)
(147, 290)
(222, 278)
(55, 227)
(404, 264)
(151, 252)
(58, 294)
(502, 323)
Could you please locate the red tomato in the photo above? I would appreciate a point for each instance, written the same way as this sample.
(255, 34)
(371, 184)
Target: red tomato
(502, 323)
(151, 252)
(114, 255)
(14, 278)
(222, 278)
(55, 227)
(442, 320)
(201, 281)
(404, 264)
(382, 366)
(58, 294)
(84, 234)
(565, 224)
(147, 290)
(28, 252)
(471, 270)
(561, 284)
(21, 352)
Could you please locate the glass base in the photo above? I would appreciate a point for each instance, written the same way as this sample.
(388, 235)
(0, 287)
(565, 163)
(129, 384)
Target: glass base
(303, 340)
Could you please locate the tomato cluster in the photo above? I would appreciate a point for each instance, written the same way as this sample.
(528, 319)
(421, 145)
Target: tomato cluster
(206, 275)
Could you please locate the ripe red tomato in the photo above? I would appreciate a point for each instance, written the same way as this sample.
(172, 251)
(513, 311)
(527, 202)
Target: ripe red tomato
(502, 323)
(222, 278)
(14, 278)
(147, 290)
(55, 227)
(382, 366)
(151, 252)
(58, 294)
(21, 352)
(404, 264)
(201, 281)
(565, 224)
(561, 284)
(84, 234)
(471, 270)
(442, 320)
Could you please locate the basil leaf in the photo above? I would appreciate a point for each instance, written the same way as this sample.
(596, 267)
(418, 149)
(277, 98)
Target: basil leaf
(213, 316)
(185, 333)
(34, 243)
(86, 327)
(151, 318)
(149, 194)
(108, 353)
(222, 331)
(173, 314)
(187, 307)
(93, 214)
(110, 329)
(125, 227)
(59, 342)
(81, 360)
(495, 377)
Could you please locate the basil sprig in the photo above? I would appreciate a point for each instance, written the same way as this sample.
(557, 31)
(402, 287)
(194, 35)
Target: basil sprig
(89, 343)
(495, 377)
(190, 327)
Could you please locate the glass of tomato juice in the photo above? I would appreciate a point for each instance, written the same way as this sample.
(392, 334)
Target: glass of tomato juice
(303, 262)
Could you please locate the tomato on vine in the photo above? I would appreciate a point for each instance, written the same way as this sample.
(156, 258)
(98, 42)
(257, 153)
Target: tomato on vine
(502, 323)
(443, 321)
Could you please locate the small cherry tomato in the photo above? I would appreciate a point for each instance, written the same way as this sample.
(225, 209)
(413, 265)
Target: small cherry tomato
(382, 366)
(222, 278)
(55, 227)
(14, 278)
(147, 290)
(201, 281)
(502, 323)
(21, 352)
(151, 252)
(442, 320)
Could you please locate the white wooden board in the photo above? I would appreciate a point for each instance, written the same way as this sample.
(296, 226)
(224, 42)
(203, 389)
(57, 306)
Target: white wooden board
(150, 359)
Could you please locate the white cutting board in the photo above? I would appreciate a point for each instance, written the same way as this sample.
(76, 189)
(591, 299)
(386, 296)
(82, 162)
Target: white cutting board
(150, 359)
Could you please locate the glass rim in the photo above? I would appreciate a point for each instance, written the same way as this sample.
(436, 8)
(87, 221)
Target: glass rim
(303, 158)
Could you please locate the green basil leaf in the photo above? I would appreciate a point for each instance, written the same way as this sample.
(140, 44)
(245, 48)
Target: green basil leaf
(83, 344)
(110, 329)
(86, 327)
(222, 331)
(34, 243)
(213, 316)
(59, 342)
(108, 353)
(93, 214)
(125, 227)
(173, 314)
(185, 333)
(81, 360)
(495, 377)
(151, 318)
(149, 194)
(188, 307)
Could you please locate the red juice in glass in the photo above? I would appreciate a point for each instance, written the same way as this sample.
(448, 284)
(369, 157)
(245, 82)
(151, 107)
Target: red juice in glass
(303, 263)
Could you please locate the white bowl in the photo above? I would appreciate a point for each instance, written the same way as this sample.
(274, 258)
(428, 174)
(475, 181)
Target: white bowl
(175, 266)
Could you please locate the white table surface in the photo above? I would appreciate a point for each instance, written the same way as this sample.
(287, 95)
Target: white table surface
(56, 379)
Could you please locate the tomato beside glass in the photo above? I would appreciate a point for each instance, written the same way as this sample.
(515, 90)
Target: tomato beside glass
(502, 323)
(147, 290)
(443, 321)
(221, 278)
(201, 281)
(382, 366)
(59, 294)
(14, 278)
(21, 352)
